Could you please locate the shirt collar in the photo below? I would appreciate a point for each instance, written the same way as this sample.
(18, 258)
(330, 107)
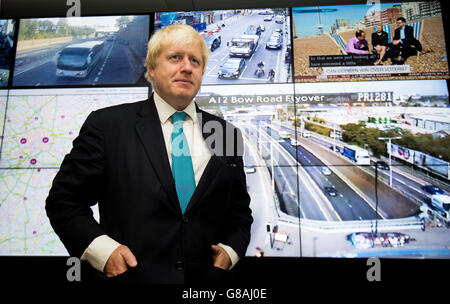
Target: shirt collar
(165, 110)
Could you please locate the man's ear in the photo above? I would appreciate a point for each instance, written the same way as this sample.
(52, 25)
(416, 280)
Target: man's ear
(150, 71)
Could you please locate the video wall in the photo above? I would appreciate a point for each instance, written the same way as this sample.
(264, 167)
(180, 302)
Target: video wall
(331, 100)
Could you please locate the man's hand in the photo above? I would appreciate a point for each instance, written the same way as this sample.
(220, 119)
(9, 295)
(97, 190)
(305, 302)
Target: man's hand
(221, 258)
(118, 262)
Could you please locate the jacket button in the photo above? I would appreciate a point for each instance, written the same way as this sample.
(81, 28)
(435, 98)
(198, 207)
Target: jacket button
(185, 219)
(179, 265)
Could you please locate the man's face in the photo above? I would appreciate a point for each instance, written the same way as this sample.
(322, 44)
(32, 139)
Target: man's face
(362, 37)
(400, 23)
(378, 27)
(178, 74)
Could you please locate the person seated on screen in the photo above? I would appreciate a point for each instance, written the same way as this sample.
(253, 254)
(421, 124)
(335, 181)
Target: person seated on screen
(358, 44)
(380, 43)
(404, 43)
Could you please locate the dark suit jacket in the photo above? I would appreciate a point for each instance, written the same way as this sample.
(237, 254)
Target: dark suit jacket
(120, 161)
(409, 35)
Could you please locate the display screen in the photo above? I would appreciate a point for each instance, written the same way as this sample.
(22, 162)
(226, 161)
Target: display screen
(367, 42)
(317, 167)
(7, 40)
(239, 40)
(40, 126)
(78, 51)
(346, 135)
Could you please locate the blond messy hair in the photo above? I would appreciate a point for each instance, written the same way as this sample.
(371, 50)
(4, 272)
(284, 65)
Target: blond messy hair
(178, 34)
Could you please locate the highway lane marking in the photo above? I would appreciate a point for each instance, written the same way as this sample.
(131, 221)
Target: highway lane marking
(395, 179)
(305, 180)
(370, 170)
(216, 65)
(36, 65)
(103, 65)
(349, 187)
(245, 68)
(349, 183)
(285, 178)
(411, 187)
(278, 66)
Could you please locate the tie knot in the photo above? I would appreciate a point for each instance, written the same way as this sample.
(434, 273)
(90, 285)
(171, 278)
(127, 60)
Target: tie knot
(178, 116)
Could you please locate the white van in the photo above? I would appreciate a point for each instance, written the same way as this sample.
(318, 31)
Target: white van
(306, 134)
(78, 60)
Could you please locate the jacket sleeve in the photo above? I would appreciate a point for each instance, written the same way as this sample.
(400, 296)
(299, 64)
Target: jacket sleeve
(397, 34)
(76, 188)
(409, 35)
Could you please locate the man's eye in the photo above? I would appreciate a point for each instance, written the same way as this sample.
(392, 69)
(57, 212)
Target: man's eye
(194, 60)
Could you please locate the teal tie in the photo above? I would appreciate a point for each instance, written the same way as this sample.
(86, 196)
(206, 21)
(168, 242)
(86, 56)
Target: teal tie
(182, 169)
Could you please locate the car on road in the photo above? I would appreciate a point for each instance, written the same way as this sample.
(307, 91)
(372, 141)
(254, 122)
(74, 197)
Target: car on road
(268, 18)
(274, 42)
(295, 142)
(279, 19)
(277, 31)
(288, 55)
(326, 171)
(337, 148)
(231, 69)
(213, 42)
(266, 12)
(306, 134)
(253, 30)
(432, 189)
(249, 169)
(382, 165)
(331, 191)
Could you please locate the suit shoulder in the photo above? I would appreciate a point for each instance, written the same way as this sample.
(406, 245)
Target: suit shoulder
(121, 109)
(113, 117)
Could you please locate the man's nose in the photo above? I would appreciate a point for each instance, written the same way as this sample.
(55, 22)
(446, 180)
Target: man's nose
(186, 65)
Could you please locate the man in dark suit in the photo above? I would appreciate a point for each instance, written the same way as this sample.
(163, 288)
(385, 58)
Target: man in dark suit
(168, 178)
(404, 43)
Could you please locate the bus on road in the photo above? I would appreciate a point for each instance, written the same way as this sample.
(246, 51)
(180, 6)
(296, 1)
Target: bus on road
(359, 155)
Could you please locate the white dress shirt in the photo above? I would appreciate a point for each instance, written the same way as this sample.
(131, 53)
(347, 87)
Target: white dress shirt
(101, 248)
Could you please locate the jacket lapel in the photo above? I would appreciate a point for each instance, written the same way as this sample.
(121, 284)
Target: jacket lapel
(148, 128)
(212, 170)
